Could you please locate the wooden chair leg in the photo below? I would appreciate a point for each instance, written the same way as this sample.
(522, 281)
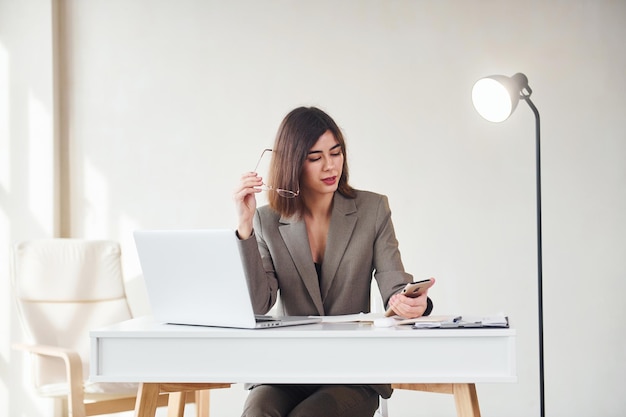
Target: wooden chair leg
(203, 403)
(466, 400)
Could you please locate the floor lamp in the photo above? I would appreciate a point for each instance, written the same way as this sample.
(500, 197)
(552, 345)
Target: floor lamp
(495, 98)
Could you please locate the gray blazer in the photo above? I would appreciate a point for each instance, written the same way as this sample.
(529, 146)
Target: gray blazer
(361, 242)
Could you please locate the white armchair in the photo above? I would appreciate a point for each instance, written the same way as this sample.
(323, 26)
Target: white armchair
(64, 288)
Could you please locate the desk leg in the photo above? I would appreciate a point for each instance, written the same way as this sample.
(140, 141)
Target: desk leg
(176, 404)
(147, 398)
(466, 400)
(203, 403)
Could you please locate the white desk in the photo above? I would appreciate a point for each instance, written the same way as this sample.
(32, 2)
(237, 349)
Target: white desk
(141, 350)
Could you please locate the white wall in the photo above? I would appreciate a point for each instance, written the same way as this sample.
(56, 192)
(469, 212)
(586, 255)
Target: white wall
(27, 170)
(170, 101)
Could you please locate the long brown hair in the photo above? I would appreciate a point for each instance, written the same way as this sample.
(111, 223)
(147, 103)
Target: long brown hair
(298, 132)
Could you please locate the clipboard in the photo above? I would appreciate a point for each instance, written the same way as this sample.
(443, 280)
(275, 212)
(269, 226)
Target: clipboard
(498, 321)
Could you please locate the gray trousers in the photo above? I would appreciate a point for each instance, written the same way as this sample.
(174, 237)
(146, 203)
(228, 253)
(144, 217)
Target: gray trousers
(311, 401)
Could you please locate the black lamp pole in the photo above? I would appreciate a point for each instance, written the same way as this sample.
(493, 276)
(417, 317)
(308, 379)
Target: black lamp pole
(526, 97)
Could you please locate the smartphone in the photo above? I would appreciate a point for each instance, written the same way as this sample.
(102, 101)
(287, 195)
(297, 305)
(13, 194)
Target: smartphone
(412, 289)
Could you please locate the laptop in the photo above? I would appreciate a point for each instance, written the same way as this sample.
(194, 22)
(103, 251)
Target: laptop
(196, 277)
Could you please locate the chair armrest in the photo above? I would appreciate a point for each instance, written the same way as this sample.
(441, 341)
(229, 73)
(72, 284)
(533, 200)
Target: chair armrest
(48, 350)
(73, 369)
(73, 363)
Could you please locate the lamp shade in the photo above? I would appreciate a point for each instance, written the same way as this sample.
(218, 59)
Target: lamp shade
(496, 97)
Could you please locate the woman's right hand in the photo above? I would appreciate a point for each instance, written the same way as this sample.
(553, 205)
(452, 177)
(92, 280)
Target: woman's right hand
(410, 307)
(245, 202)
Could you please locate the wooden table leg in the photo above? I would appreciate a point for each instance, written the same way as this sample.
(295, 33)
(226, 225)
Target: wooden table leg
(147, 398)
(176, 404)
(203, 403)
(466, 400)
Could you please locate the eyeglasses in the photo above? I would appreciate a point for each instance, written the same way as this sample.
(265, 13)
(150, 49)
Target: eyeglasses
(281, 192)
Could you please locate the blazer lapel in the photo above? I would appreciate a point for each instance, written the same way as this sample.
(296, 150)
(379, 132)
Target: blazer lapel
(296, 239)
(342, 223)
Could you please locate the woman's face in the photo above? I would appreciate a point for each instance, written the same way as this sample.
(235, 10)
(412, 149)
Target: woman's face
(323, 166)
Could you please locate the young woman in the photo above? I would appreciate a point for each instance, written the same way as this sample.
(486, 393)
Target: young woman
(317, 242)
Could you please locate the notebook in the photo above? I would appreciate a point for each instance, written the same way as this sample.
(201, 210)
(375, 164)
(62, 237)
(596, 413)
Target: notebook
(196, 277)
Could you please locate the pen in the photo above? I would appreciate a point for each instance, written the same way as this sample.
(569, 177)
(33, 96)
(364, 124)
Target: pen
(457, 319)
